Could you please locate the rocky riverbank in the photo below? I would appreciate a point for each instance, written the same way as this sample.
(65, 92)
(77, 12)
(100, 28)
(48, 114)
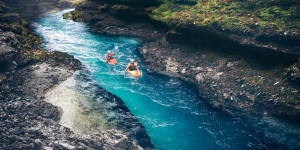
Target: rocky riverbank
(28, 122)
(272, 25)
(233, 78)
(33, 9)
(265, 24)
(27, 73)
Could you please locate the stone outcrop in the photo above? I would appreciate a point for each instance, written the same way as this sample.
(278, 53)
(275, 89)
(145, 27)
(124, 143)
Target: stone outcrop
(28, 122)
(8, 52)
(32, 9)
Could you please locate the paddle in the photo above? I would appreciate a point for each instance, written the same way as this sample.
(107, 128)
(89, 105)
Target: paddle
(106, 60)
(136, 59)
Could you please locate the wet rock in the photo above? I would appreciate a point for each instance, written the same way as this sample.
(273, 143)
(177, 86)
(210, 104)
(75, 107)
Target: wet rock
(293, 74)
(28, 122)
(32, 9)
(68, 16)
(174, 37)
(103, 22)
(282, 43)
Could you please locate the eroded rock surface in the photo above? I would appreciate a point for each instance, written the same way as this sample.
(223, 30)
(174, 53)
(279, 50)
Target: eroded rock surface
(8, 52)
(27, 121)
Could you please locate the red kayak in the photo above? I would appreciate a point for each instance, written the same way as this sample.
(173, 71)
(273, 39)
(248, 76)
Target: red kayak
(112, 61)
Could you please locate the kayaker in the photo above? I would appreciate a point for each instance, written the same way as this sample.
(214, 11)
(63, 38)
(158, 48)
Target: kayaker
(132, 65)
(110, 55)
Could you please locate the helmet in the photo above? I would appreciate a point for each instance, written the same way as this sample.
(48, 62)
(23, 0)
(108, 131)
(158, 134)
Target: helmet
(131, 60)
(108, 51)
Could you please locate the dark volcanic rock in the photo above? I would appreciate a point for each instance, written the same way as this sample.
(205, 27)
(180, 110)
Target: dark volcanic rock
(8, 52)
(28, 122)
(193, 34)
(103, 22)
(32, 9)
(293, 73)
(279, 43)
(39, 77)
(174, 37)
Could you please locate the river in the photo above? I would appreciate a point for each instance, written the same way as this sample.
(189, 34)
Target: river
(169, 108)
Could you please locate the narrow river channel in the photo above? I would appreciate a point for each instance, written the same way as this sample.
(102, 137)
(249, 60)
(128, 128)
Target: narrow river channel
(169, 109)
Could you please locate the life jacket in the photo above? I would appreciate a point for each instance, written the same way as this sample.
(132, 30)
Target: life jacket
(132, 67)
(109, 56)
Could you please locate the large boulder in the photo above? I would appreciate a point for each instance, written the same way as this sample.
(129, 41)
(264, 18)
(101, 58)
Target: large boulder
(8, 51)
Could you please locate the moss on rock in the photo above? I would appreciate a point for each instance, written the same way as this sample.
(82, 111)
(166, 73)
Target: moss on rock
(29, 43)
(271, 17)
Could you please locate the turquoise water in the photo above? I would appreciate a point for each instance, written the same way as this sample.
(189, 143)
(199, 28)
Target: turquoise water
(172, 113)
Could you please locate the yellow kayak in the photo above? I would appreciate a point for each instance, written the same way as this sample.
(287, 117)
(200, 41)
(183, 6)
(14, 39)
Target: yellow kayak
(135, 73)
